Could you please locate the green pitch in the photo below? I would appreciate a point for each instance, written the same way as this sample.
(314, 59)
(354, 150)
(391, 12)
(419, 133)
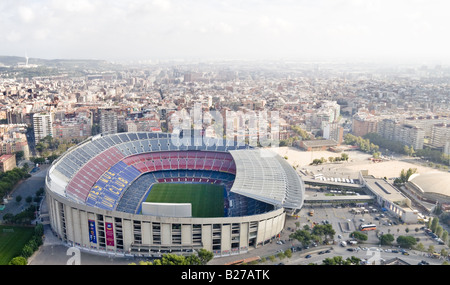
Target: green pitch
(206, 199)
(11, 243)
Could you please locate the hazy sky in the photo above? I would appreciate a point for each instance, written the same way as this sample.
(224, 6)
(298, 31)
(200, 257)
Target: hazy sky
(228, 29)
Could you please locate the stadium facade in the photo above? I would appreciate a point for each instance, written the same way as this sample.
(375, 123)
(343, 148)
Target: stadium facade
(96, 189)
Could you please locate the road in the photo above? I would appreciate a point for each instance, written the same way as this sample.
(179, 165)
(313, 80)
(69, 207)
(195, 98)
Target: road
(25, 188)
(371, 253)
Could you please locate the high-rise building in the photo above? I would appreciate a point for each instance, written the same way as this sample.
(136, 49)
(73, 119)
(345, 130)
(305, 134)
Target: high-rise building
(42, 124)
(108, 121)
(407, 134)
(333, 131)
(427, 122)
(440, 135)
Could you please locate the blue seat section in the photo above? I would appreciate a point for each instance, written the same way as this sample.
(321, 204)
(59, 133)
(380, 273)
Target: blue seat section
(108, 189)
(132, 197)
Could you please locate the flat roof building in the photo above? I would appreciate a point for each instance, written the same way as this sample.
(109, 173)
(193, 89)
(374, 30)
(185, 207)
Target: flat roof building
(317, 145)
(389, 197)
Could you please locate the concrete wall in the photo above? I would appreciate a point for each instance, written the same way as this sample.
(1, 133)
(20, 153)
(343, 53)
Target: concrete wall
(220, 235)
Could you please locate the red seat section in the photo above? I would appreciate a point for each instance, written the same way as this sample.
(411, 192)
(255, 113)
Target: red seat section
(85, 178)
(189, 160)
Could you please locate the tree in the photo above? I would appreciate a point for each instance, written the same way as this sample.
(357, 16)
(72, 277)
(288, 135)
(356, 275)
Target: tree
(19, 155)
(205, 256)
(429, 223)
(420, 247)
(27, 251)
(18, 198)
(406, 149)
(19, 260)
(359, 236)
(303, 236)
(288, 253)
(8, 218)
(439, 231)
(406, 241)
(326, 231)
(386, 239)
(444, 236)
(339, 260)
(173, 259)
(344, 156)
(434, 224)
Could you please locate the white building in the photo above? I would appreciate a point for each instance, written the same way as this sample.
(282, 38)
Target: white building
(42, 124)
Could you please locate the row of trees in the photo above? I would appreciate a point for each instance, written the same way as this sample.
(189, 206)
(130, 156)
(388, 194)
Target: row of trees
(300, 134)
(30, 247)
(9, 179)
(23, 218)
(404, 176)
(364, 144)
(51, 148)
(398, 147)
(373, 142)
(339, 260)
(434, 156)
(317, 161)
(409, 242)
(383, 143)
(202, 257)
(437, 229)
(318, 233)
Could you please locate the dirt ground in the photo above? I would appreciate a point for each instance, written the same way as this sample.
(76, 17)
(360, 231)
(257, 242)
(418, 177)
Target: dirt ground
(357, 161)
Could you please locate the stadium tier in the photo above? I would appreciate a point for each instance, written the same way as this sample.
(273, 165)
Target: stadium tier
(105, 180)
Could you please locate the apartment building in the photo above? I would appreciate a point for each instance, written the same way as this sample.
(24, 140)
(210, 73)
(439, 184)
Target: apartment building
(108, 121)
(440, 135)
(404, 133)
(364, 123)
(43, 125)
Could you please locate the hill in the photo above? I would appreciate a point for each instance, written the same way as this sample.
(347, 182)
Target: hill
(68, 63)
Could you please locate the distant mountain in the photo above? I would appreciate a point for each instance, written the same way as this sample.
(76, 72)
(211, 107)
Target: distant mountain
(13, 61)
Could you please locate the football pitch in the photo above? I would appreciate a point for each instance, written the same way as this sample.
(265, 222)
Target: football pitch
(12, 240)
(207, 200)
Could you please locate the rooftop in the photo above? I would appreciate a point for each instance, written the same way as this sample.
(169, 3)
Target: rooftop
(267, 177)
(432, 182)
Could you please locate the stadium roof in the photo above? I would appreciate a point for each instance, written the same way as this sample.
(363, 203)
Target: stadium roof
(432, 182)
(267, 177)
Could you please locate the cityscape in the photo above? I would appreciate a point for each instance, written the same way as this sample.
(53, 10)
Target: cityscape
(317, 161)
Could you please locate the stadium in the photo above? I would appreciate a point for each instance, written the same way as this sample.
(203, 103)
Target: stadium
(146, 194)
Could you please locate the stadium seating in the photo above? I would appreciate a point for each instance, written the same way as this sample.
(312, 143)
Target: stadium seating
(109, 188)
(116, 171)
(173, 160)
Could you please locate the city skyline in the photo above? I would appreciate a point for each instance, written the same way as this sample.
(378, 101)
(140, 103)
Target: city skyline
(402, 31)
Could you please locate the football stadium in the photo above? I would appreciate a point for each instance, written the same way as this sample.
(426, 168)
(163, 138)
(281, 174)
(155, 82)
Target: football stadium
(146, 194)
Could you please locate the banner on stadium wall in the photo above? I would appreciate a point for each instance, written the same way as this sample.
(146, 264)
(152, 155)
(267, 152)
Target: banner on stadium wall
(92, 232)
(109, 234)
